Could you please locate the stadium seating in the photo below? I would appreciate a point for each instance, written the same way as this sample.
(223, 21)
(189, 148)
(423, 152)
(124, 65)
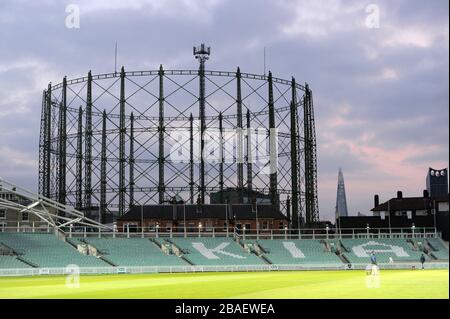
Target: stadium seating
(335, 245)
(419, 244)
(133, 252)
(46, 250)
(215, 251)
(358, 250)
(291, 252)
(439, 250)
(11, 262)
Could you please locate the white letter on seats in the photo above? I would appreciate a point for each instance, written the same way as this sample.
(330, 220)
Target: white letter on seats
(362, 252)
(209, 253)
(294, 251)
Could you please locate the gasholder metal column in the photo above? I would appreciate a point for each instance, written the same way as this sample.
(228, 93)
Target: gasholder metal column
(273, 147)
(161, 129)
(62, 145)
(221, 159)
(249, 160)
(103, 176)
(202, 54)
(48, 134)
(131, 161)
(88, 146)
(240, 141)
(122, 131)
(79, 163)
(191, 158)
(294, 157)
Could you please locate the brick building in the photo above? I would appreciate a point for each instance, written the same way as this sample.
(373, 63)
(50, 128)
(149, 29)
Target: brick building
(176, 217)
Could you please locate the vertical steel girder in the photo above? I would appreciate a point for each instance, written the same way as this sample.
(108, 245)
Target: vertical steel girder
(272, 141)
(103, 160)
(308, 168)
(221, 160)
(294, 157)
(249, 160)
(88, 146)
(311, 198)
(79, 163)
(122, 131)
(240, 140)
(41, 167)
(131, 163)
(315, 200)
(161, 130)
(191, 158)
(288, 211)
(44, 145)
(62, 145)
(48, 132)
(202, 114)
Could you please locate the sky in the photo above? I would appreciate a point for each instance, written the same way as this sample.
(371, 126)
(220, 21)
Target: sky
(378, 69)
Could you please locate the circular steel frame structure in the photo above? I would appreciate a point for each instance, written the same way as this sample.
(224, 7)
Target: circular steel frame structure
(108, 140)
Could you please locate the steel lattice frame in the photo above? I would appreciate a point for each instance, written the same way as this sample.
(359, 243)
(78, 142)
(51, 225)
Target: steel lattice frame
(105, 139)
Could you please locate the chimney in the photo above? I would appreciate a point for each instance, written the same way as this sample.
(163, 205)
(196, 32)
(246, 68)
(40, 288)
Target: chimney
(376, 201)
(399, 194)
(425, 193)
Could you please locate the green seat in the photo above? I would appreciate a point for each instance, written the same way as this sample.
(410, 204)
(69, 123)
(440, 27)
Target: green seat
(298, 252)
(400, 250)
(11, 262)
(133, 252)
(440, 251)
(46, 250)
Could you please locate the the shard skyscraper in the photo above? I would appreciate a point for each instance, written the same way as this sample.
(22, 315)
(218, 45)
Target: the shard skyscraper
(341, 199)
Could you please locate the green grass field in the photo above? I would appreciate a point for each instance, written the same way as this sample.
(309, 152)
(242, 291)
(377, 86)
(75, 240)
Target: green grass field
(299, 284)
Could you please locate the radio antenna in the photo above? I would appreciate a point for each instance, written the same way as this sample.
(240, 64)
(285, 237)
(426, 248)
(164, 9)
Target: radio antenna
(115, 59)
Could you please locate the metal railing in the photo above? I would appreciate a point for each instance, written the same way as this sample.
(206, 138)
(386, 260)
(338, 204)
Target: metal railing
(231, 232)
(200, 268)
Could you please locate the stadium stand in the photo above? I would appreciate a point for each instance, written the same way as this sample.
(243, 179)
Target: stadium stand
(11, 262)
(291, 252)
(132, 252)
(46, 250)
(439, 251)
(214, 251)
(419, 244)
(358, 250)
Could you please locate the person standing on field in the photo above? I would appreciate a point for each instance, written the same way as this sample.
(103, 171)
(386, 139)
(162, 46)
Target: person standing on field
(422, 260)
(373, 258)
